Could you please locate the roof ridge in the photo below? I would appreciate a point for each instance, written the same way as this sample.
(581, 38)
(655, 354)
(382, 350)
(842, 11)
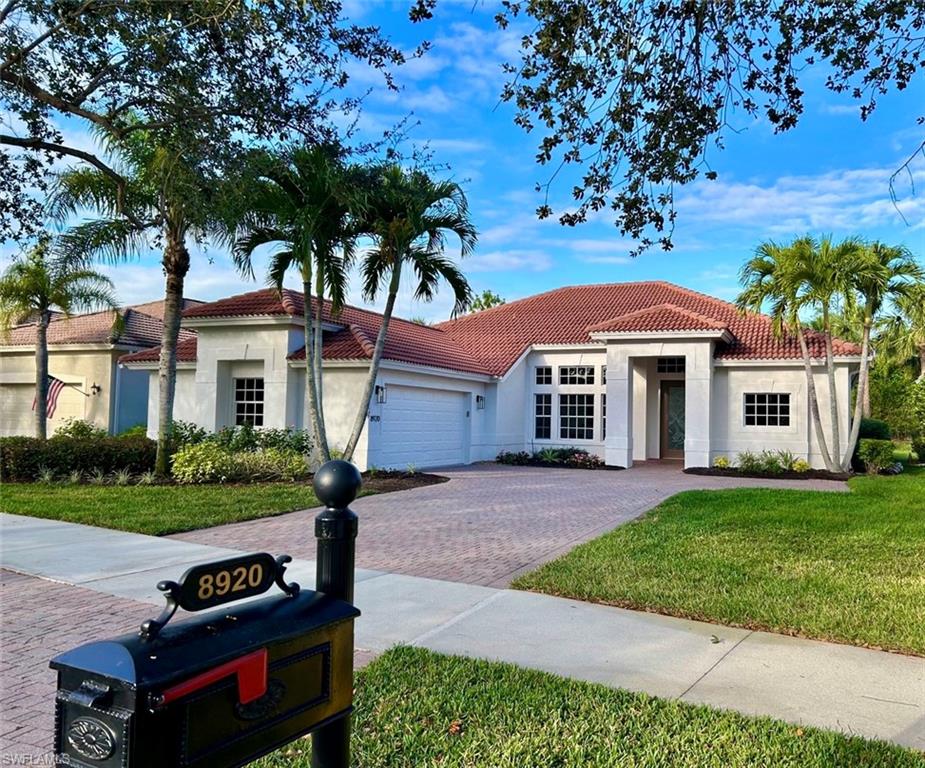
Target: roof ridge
(362, 339)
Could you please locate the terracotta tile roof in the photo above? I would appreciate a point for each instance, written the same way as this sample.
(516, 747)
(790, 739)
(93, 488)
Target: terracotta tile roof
(498, 336)
(662, 317)
(156, 308)
(141, 326)
(491, 341)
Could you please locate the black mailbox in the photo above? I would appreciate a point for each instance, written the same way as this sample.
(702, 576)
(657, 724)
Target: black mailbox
(221, 689)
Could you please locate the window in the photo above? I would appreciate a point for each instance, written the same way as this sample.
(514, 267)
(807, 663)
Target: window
(669, 365)
(543, 375)
(576, 374)
(576, 417)
(767, 409)
(603, 417)
(542, 429)
(248, 402)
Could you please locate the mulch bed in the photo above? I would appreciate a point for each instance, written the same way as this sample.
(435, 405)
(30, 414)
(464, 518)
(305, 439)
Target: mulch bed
(812, 474)
(385, 482)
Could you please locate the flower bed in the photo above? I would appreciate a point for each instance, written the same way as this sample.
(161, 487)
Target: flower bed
(573, 458)
(809, 474)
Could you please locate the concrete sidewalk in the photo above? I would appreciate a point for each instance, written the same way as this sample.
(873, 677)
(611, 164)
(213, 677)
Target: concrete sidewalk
(854, 690)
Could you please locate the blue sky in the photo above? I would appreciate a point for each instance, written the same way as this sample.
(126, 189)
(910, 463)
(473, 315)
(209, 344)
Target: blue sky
(829, 175)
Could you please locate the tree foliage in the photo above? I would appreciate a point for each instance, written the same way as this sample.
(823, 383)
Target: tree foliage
(485, 300)
(633, 93)
(213, 72)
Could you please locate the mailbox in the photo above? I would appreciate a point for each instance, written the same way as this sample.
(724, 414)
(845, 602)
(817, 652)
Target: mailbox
(220, 689)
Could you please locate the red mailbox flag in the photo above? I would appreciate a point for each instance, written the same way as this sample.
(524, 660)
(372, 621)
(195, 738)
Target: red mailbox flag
(251, 671)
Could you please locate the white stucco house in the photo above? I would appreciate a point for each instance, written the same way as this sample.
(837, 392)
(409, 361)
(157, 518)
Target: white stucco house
(628, 371)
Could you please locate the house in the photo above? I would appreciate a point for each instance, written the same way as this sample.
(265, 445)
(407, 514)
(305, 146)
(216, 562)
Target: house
(83, 352)
(628, 371)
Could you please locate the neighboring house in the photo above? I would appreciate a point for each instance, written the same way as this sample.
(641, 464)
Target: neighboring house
(629, 371)
(83, 352)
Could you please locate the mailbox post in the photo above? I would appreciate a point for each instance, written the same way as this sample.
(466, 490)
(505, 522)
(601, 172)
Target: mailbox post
(336, 485)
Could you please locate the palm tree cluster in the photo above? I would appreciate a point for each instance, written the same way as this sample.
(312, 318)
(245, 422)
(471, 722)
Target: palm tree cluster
(309, 205)
(849, 285)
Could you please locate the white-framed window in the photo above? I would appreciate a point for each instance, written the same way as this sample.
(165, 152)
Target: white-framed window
(576, 417)
(603, 417)
(543, 375)
(576, 374)
(248, 401)
(767, 409)
(542, 416)
(669, 365)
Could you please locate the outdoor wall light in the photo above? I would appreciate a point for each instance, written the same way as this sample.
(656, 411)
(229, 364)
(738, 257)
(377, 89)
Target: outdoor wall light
(380, 393)
(95, 389)
(480, 402)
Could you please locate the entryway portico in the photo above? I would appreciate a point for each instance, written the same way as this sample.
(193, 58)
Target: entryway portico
(659, 394)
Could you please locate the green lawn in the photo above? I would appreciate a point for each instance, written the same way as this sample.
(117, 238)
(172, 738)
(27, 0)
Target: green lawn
(843, 567)
(155, 509)
(415, 708)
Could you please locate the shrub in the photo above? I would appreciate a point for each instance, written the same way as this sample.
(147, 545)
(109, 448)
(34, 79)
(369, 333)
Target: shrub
(271, 464)
(79, 430)
(203, 463)
(770, 463)
(786, 459)
(139, 430)
(186, 433)
(122, 477)
(245, 438)
(875, 454)
(875, 429)
(548, 455)
(97, 477)
(749, 462)
(800, 465)
(46, 476)
(721, 462)
(23, 458)
(518, 459)
(918, 447)
(581, 459)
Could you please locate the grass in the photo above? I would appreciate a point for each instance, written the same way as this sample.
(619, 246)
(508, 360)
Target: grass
(841, 567)
(157, 509)
(416, 708)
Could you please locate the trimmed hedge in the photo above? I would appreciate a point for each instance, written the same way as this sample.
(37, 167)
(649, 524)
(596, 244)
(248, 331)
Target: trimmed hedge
(23, 458)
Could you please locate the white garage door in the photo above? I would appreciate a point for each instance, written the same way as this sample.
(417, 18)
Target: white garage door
(423, 427)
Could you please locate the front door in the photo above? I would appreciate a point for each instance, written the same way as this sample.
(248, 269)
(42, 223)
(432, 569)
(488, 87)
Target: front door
(672, 435)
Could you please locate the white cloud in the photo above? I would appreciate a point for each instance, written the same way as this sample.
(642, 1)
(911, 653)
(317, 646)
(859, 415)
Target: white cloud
(508, 261)
(841, 109)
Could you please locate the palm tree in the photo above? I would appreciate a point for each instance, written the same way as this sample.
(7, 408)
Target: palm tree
(409, 215)
(45, 278)
(903, 331)
(878, 273)
(302, 202)
(773, 276)
(166, 201)
(823, 272)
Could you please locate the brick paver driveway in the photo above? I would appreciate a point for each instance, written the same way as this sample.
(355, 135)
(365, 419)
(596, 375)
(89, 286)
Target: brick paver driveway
(490, 522)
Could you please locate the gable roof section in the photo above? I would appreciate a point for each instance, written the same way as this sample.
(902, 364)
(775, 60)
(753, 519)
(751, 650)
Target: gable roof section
(658, 319)
(141, 326)
(499, 336)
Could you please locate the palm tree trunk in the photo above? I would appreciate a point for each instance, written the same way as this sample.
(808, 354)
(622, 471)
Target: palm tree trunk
(363, 411)
(833, 393)
(311, 393)
(318, 361)
(41, 375)
(863, 386)
(866, 400)
(921, 363)
(813, 401)
(176, 265)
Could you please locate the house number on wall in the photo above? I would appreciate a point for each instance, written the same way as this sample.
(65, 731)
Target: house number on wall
(375, 418)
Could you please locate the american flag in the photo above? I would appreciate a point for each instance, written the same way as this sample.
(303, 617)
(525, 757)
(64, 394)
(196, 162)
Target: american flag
(54, 389)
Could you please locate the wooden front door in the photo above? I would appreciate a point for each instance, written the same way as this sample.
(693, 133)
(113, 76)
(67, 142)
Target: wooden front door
(671, 442)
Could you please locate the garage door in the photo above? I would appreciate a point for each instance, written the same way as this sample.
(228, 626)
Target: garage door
(423, 427)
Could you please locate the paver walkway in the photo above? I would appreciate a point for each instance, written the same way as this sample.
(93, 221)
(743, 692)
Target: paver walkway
(111, 574)
(490, 522)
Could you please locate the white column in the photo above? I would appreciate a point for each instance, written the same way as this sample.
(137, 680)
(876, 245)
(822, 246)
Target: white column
(698, 404)
(618, 443)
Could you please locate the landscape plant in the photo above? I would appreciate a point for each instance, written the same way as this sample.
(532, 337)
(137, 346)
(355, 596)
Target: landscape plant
(25, 458)
(408, 214)
(875, 455)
